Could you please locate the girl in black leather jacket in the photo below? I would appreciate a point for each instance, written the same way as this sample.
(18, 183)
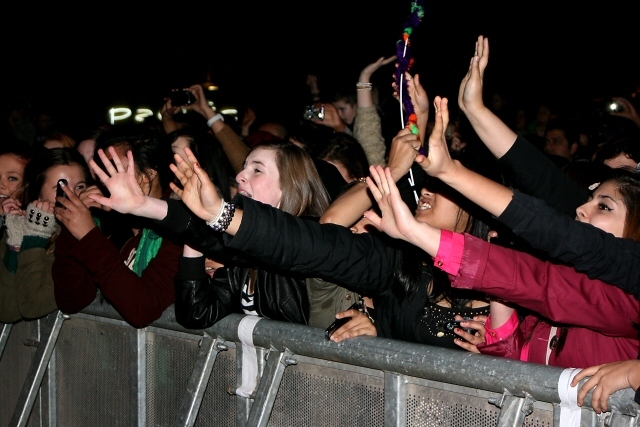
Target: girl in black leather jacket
(278, 173)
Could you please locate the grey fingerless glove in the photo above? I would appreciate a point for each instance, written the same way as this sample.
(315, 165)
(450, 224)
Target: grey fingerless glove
(15, 230)
(39, 223)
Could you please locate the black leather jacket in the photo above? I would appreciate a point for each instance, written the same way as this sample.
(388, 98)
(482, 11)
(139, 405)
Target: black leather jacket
(201, 301)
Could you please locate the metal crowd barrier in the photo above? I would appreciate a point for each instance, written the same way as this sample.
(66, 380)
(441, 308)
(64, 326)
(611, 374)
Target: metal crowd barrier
(93, 369)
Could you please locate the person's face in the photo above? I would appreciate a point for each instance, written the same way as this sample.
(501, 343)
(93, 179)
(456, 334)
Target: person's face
(85, 148)
(456, 143)
(621, 160)
(11, 175)
(439, 211)
(260, 177)
(557, 144)
(74, 174)
(605, 210)
(179, 145)
(346, 111)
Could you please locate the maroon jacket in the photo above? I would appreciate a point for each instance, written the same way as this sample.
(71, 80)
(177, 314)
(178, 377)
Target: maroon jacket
(602, 316)
(82, 267)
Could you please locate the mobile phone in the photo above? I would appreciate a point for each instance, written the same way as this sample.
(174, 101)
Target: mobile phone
(334, 327)
(60, 192)
(451, 325)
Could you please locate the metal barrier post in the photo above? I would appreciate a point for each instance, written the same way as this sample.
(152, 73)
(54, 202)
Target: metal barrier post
(513, 409)
(139, 386)
(4, 336)
(268, 387)
(244, 403)
(395, 400)
(36, 371)
(209, 349)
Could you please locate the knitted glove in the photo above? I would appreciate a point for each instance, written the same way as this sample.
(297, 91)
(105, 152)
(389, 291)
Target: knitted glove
(15, 230)
(39, 223)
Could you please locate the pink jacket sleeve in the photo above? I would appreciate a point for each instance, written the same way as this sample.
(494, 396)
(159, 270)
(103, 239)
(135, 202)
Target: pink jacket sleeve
(556, 292)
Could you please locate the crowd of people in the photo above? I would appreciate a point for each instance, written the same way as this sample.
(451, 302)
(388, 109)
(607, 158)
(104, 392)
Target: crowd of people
(478, 230)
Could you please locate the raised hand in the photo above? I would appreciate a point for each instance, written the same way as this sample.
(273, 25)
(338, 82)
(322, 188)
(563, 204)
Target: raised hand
(75, 215)
(367, 71)
(126, 194)
(470, 94)
(201, 105)
(331, 118)
(396, 219)
(439, 161)
(605, 380)
(403, 152)
(418, 95)
(197, 192)
(628, 111)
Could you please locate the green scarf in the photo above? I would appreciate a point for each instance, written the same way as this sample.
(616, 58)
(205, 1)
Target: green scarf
(148, 248)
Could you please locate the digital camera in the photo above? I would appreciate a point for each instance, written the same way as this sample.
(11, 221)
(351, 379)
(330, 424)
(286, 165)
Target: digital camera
(181, 97)
(312, 111)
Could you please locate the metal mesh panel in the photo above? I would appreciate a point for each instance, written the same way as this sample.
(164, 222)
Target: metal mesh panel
(450, 406)
(218, 408)
(427, 407)
(312, 395)
(14, 367)
(170, 362)
(540, 417)
(94, 374)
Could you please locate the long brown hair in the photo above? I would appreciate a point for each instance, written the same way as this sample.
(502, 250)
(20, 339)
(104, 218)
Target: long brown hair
(303, 193)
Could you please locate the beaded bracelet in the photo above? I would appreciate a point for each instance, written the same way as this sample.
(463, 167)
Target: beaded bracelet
(221, 222)
(364, 86)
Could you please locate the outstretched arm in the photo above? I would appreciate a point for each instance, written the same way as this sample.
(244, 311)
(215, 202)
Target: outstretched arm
(495, 134)
(347, 209)
(486, 193)
(367, 128)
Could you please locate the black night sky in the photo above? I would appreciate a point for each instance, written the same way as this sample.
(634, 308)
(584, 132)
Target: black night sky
(82, 61)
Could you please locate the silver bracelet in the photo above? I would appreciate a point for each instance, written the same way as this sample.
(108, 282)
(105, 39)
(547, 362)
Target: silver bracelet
(218, 216)
(221, 222)
(364, 86)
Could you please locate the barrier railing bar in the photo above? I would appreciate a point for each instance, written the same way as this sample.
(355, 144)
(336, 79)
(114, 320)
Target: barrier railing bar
(37, 370)
(475, 371)
(395, 400)
(197, 385)
(268, 387)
